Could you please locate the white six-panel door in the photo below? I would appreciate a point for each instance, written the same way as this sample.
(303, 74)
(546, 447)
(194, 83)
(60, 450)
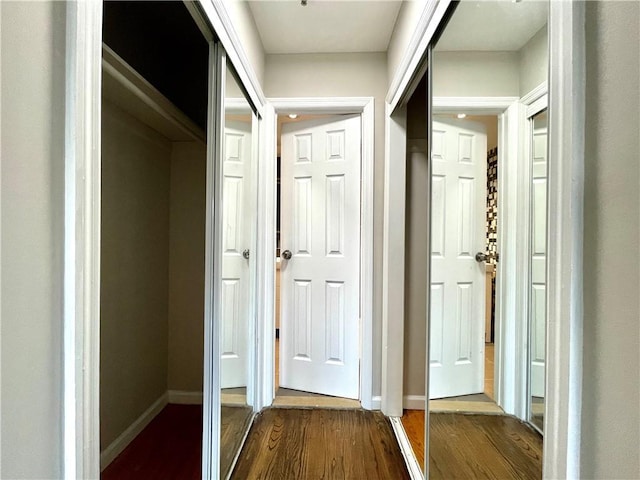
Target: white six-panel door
(235, 239)
(538, 255)
(320, 226)
(458, 232)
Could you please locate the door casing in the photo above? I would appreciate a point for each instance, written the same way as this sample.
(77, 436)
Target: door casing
(266, 228)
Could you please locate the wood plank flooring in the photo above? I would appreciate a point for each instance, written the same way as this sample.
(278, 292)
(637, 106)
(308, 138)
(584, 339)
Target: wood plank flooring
(476, 446)
(320, 444)
(170, 446)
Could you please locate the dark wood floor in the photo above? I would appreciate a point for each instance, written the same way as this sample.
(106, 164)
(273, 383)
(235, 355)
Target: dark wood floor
(320, 444)
(476, 446)
(170, 446)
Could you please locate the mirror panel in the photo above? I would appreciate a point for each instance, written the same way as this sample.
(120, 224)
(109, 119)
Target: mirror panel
(537, 282)
(237, 297)
(489, 51)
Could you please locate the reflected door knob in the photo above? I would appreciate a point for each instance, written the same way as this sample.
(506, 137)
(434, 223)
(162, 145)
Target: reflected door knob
(481, 257)
(286, 254)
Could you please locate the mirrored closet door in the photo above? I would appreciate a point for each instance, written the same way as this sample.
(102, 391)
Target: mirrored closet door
(538, 147)
(235, 275)
(487, 224)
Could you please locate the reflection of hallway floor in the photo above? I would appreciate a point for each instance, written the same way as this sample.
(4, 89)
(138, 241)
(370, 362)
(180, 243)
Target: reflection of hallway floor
(462, 445)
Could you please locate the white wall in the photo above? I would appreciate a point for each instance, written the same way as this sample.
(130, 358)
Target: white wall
(348, 74)
(136, 163)
(469, 74)
(186, 266)
(534, 62)
(611, 397)
(32, 92)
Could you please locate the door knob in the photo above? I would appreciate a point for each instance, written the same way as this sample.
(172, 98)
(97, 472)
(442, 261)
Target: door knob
(286, 254)
(481, 257)
(246, 253)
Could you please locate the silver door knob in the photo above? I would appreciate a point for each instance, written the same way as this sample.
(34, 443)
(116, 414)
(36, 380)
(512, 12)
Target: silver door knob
(246, 253)
(286, 254)
(481, 257)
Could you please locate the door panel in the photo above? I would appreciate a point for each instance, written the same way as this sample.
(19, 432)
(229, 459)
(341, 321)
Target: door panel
(320, 225)
(457, 281)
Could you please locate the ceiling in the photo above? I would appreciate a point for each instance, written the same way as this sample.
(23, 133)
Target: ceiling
(493, 26)
(340, 26)
(325, 26)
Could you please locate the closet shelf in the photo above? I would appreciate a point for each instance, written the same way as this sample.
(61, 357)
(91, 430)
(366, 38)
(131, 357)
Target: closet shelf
(128, 90)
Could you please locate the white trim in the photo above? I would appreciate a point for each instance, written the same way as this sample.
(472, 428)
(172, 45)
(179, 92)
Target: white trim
(264, 372)
(535, 94)
(217, 15)
(475, 105)
(511, 280)
(414, 402)
(415, 52)
(563, 406)
(410, 460)
(116, 447)
(393, 248)
(184, 397)
(211, 390)
(81, 422)
(376, 402)
(266, 226)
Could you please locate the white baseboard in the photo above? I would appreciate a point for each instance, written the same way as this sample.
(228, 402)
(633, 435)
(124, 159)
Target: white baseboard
(109, 454)
(376, 402)
(413, 402)
(415, 470)
(183, 397)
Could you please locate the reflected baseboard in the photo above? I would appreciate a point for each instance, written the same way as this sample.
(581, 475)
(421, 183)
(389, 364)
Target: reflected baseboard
(461, 406)
(182, 397)
(233, 399)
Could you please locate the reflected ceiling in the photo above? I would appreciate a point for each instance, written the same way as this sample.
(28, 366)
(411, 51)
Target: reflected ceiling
(493, 26)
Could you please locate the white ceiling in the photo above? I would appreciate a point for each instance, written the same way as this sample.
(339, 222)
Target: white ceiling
(493, 26)
(325, 26)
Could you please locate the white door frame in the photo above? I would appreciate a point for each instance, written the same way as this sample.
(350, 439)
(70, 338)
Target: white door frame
(267, 232)
(561, 455)
(508, 392)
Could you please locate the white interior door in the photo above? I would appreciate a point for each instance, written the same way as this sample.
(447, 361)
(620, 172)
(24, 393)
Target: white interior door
(320, 226)
(458, 232)
(538, 253)
(236, 235)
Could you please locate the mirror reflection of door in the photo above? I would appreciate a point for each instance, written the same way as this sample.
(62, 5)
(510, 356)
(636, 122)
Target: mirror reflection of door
(537, 287)
(459, 149)
(238, 269)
